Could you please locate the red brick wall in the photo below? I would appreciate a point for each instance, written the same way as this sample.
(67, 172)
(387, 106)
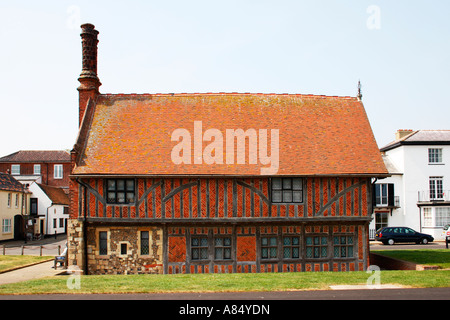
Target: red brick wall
(329, 208)
(47, 172)
(232, 199)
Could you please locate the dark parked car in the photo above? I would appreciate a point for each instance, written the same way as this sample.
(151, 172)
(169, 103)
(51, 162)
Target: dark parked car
(391, 235)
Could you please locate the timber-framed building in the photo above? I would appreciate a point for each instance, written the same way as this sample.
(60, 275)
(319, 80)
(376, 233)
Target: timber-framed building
(144, 201)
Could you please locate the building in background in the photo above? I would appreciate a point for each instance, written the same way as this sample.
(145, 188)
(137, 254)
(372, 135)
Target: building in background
(417, 195)
(50, 211)
(13, 208)
(51, 168)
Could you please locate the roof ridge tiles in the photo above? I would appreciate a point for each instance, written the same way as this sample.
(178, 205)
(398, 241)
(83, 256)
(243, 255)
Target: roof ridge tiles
(108, 95)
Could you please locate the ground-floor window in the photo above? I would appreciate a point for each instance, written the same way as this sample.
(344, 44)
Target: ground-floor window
(6, 226)
(381, 219)
(199, 248)
(103, 242)
(222, 248)
(145, 243)
(435, 216)
(343, 246)
(269, 248)
(317, 247)
(291, 247)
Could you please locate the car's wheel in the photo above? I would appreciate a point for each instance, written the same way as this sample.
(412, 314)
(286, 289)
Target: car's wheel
(390, 242)
(424, 241)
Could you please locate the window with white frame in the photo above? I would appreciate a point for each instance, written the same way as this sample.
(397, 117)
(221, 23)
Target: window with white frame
(6, 226)
(381, 194)
(17, 200)
(384, 194)
(427, 217)
(436, 189)
(442, 216)
(9, 200)
(15, 169)
(37, 169)
(58, 171)
(434, 155)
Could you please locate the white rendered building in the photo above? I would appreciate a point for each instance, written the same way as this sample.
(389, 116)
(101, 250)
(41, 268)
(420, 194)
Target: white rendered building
(417, 195)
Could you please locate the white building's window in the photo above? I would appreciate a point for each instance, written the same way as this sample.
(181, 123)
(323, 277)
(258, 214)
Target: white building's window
(442, 216)
(434, 155)
(9, 200)
(37, 169)
(17, 200)
(15, 169)
(58, 171)
(427, 217)
(384, 195)
(6, 226)
(436, 189)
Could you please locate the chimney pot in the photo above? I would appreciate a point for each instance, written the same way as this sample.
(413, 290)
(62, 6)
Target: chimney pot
(89, 81)
(89, 45)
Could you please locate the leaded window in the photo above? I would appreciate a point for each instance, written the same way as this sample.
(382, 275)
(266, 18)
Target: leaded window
(145, 243)
(316, 247)
(343, 246)
(103, 243)
(121, 191)
(291, 247)
(222, 248)
(199, 248)
(269, 248)
(287, 190)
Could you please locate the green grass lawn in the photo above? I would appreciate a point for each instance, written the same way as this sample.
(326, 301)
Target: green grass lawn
(240, 282)
(435, 257)
(11, 262)
(224, 282)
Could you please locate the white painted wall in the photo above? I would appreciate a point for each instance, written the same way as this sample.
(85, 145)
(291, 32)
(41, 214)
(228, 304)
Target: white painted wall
(412, 161)
(48, 211)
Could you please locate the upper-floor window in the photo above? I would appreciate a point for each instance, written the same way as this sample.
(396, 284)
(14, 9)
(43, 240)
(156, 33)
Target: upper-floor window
(15, 169)
(287, 190)
(436, 188)
(434, 155)
(37, 169)
(58, 171)
(384, 195)
(120, 191)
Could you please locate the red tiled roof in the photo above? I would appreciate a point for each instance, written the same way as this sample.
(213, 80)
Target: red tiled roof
(37, 156)
(318, 135)
(8, 183)
(56, 195)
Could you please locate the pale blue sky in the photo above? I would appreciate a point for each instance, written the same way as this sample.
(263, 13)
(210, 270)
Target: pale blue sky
(310, 47)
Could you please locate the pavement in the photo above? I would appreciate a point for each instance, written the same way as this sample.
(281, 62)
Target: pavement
(37, 271)
(51, 246)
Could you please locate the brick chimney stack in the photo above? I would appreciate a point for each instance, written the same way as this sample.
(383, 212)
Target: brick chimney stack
(401, 133)
(89, 80)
